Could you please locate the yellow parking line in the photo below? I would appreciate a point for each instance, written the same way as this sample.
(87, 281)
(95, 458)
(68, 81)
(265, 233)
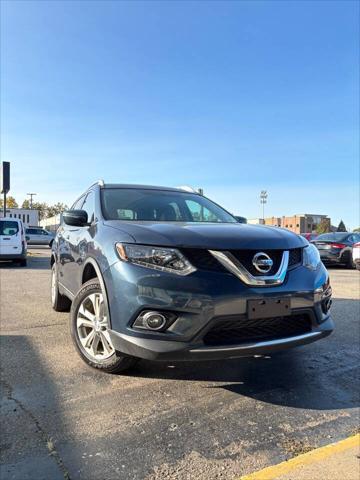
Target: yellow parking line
(314, 456)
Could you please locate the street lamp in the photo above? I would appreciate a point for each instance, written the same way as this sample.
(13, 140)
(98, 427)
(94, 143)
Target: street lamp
(263, 200)
(31, 197)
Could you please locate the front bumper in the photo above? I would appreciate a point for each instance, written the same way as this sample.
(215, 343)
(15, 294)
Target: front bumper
(13, 256)
(166, 350)
(198, 300)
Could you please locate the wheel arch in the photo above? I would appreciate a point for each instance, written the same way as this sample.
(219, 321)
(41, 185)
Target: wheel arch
(90, 267)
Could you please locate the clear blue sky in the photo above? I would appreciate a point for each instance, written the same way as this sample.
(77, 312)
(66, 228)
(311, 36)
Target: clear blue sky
(234, 97)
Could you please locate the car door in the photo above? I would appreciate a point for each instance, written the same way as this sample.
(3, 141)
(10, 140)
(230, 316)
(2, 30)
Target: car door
(46, 238)
(10, 237)
(38, 238)
(83, 242)
(67, 250)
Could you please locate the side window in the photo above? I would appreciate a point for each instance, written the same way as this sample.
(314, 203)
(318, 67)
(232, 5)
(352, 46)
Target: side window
(89, 206)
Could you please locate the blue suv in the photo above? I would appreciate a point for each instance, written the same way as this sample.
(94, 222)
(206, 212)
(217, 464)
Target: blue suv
(166, 274)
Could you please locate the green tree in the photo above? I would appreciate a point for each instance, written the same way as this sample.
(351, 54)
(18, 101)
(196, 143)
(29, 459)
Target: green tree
(323, 227)
(356, 230)
(42, 207)
(341, 227)
(10, 202)
(26, 203)
(56, 209)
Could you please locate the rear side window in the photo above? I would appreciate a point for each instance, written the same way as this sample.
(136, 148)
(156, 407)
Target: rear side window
(8, 227)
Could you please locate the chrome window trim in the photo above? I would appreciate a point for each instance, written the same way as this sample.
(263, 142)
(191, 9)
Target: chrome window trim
(232, 264)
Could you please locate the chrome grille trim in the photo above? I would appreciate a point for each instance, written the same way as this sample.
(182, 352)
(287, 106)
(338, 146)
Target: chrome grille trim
(231, 263)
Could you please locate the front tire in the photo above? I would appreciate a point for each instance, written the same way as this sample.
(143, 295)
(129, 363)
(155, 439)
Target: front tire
(89, 325)
(59, 302)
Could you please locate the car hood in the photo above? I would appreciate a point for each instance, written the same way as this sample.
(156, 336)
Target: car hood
(215, 236)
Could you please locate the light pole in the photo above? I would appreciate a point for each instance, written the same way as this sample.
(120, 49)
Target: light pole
(31, 197)
(263, 200)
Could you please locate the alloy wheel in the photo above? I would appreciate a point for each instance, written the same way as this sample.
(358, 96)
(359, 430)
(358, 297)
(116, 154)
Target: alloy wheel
(92, 327)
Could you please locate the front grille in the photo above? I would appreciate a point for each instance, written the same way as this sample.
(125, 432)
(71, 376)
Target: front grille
(203, 260)
(295, 257)
(245, 257)
(231, 331)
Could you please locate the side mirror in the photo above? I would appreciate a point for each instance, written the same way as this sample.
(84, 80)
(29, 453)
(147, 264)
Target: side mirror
(75, 218)
(241, 219)
(27, 238)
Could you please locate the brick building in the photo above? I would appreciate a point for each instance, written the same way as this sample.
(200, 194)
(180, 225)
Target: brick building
(300, 223)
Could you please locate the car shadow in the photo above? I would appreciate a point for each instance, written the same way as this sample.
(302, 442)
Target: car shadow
(33, 263)
(28, 449)
(320, 376)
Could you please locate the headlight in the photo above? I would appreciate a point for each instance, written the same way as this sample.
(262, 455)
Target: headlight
(311, 257)
(164, 259)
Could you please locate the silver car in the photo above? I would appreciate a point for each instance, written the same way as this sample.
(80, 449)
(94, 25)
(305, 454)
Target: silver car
(39, 236)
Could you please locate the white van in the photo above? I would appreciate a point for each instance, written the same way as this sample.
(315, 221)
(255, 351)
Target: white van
(12, 240)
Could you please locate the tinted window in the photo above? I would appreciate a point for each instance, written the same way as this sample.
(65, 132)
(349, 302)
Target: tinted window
(89, 206)
(333, 237)
(8, 227)
(161, 206)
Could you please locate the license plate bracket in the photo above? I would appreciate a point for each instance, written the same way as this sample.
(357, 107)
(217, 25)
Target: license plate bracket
(268, 307)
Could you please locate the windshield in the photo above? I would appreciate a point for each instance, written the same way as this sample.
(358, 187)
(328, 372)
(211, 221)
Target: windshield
(160, 206)
(7, 227)
(337, 237)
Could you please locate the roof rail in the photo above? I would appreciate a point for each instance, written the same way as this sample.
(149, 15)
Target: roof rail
(188, 189)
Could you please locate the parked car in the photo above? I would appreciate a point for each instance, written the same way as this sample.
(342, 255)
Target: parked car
(12, 240)
(309, 236)
(166, 274)
(356, 255)
(336, 248)
(39, 236)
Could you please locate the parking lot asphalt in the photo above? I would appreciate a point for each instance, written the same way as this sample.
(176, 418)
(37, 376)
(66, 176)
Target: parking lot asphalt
(62, 419)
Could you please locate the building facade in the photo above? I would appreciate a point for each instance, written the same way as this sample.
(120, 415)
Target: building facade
(52, 223)
(300, 223)
(29, 217)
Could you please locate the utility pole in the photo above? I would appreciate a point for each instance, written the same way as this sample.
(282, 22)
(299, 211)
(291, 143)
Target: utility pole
(31, 197)
(5, 181)
(263, 200)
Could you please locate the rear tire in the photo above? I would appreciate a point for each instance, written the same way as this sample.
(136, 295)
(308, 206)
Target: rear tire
(89, 323)
(59, 302)
(350, 263)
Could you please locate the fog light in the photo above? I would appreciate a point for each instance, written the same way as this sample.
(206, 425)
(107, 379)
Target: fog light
(155, 321)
